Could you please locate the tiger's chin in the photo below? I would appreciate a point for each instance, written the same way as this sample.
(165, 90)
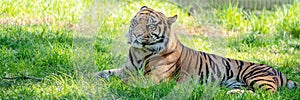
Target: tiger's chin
(139, 45)
(155, 47)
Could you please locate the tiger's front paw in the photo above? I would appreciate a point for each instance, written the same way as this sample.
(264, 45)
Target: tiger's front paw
(103, 74)
(238, 91)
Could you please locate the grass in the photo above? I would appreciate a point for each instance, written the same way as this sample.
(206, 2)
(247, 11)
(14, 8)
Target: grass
(60, 41)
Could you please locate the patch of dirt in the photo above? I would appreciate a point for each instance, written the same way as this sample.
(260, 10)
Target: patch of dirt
(206, 30)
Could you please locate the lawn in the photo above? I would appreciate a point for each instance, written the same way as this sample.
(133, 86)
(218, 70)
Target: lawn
(59, 44)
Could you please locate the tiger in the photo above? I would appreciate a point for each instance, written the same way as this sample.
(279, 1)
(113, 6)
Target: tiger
(156, 50)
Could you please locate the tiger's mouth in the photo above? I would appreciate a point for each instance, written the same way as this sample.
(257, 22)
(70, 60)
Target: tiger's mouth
(140, 43)
(152, 46)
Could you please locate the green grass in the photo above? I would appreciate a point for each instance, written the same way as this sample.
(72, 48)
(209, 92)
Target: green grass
(60, 41)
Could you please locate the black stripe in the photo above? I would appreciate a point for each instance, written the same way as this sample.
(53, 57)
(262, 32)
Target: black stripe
(223, 79)
(274, 71)
(165, 29)
(212, 77)
(159, 23)
(186, 54)
(146, 72)
(268, 89)
(212, 63)
(204, 54)
(228, 59)
(166, 43)
(254, 81)
(147, 56)
(231, 74)
(156, 36)
(214, 56)
(201, 77)
(227, 64)
(149, 11)
(276, 80)
(281, 79)
(159, 41)
(241, 65)
(218, 70)
(190, 59)
(240, 69)
(139, 61)
(175, 73)
(236, 62)
(266, 84)
(159, 32)
(259, 75)
(159, 15)
(176, 61)
(152, 17)
(178, 67)
(227, 72)
(201, 63)
(228, 85)
(207, 72)
(246, 70)
(150, 49)
(167, 54)
(135, 22)
(131, 61)
(197, 58)
(149, 60)
(228, 68)
(258, 69)
(262, 71)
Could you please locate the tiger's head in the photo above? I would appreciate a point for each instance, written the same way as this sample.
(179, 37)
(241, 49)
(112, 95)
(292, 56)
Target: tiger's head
(149, 29)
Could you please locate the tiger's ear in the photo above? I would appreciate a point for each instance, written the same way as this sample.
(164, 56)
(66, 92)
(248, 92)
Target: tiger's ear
(143, 8)
(172, 19)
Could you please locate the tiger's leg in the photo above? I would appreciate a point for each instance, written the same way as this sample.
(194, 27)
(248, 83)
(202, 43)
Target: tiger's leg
(108, 73)
(122, 73)
(263, 82)
(236, 87)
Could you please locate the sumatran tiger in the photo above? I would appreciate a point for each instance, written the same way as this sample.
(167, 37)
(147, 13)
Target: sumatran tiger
(156, 50)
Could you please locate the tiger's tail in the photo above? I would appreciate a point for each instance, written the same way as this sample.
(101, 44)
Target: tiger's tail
(291, 84)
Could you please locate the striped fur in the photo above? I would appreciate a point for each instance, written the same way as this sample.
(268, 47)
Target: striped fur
(156, 50)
